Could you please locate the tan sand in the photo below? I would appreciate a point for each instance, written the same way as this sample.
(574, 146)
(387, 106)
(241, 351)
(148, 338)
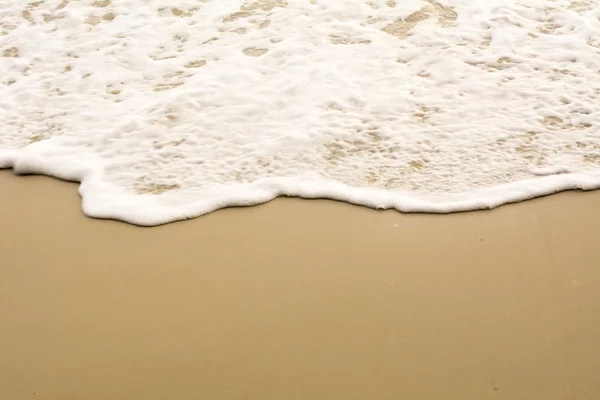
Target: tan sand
(298, 299)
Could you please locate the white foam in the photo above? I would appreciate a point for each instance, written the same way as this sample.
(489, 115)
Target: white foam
(170, 112)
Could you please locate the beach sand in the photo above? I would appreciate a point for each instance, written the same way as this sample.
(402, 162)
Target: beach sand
(298, 299)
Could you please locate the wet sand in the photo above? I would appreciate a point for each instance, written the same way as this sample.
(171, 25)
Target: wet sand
(298, 299)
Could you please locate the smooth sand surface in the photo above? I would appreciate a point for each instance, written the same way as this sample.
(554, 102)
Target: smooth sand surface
(298, 299)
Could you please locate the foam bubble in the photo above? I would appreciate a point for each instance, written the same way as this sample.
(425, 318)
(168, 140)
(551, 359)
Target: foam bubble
(165, 112)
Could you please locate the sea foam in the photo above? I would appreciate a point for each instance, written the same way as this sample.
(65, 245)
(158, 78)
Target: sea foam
(170, 110)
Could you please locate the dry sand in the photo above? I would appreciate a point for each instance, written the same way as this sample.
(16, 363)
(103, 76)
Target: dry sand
(298, 299)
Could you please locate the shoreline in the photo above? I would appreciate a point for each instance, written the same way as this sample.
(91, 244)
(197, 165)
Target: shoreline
(151, 211)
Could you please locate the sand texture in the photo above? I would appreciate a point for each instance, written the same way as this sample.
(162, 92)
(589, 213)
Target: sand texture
(298, 299)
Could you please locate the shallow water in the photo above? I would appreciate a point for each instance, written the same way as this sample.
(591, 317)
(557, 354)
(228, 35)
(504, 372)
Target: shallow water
(169, 112)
